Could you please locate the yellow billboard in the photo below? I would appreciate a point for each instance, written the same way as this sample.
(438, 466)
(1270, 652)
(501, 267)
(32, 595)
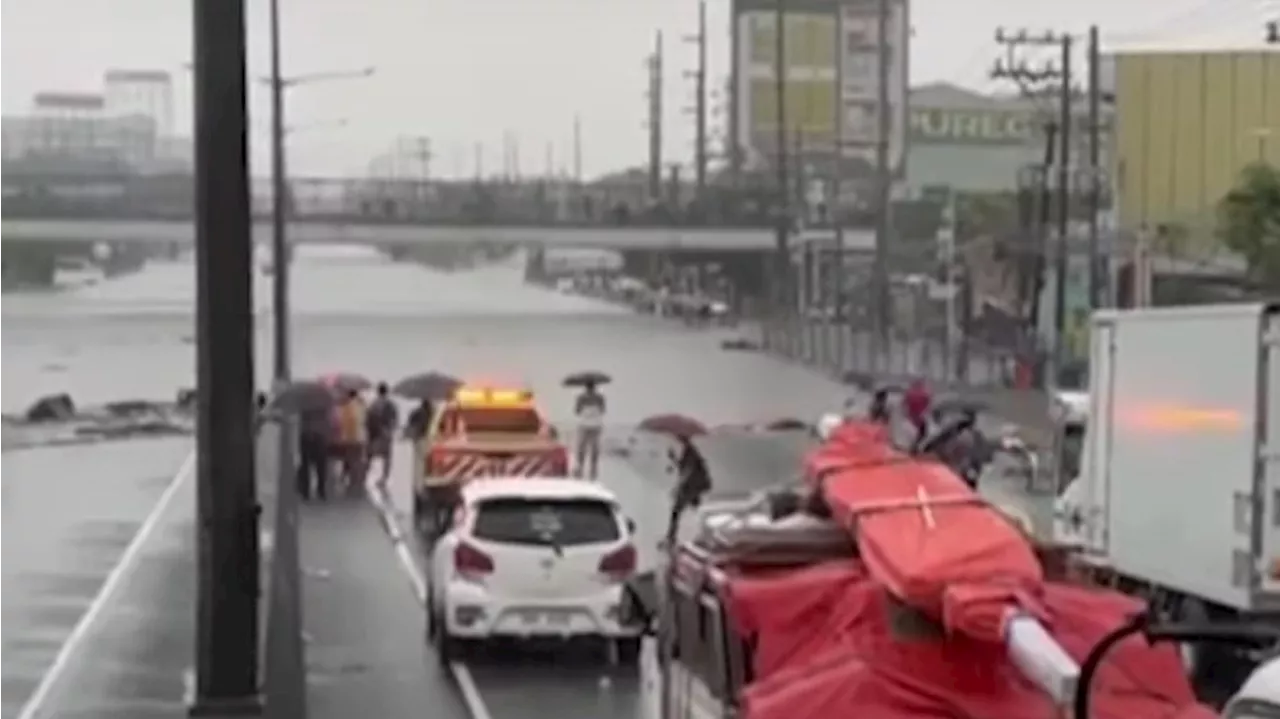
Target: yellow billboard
(1186, 124)
(811, 77)
(831, 70)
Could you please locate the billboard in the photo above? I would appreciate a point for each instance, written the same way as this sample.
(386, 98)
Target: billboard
(1186, 124)
(957, 126)
(831, 74)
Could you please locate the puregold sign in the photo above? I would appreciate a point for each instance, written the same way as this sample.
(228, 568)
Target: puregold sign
(971, 127)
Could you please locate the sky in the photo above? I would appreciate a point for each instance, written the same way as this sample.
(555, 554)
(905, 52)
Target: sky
(467, 72)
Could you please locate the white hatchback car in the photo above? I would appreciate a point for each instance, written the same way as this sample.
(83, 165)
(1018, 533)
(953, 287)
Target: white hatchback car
(532, 558)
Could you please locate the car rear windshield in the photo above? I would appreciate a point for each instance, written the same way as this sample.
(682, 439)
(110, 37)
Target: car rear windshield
(557, 522)
(518, 420)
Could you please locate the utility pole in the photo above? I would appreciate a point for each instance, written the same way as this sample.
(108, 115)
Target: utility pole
(700, 102)
(835, 294)
(884, 178)
(1095, 170)
(422, 152)
(577, 149)
(1031, 82)
(226, 656)
(506, 155)
(1064, 214)
(782, 230)
(478, 160)
(280, 259)
(655, 119)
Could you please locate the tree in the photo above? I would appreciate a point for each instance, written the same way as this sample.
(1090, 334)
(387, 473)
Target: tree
(1249, 222)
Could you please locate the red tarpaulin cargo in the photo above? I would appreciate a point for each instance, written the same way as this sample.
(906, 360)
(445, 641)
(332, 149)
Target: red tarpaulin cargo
(924, 534)
(825, 649)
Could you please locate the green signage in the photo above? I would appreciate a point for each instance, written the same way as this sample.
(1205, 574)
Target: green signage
(971, 127)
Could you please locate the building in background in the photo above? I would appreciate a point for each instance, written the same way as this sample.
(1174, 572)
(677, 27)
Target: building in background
(126, 128)
(1186, 124)
(818, 35)
(147, 93)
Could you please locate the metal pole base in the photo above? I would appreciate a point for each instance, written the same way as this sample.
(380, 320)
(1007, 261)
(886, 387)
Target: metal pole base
(219, 708)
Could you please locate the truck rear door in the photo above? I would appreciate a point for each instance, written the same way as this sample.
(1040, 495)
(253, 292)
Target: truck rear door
(1269, 460)
(1095, 471)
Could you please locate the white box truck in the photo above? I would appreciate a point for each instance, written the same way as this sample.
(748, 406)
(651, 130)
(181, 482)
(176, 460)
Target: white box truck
(1177, 495)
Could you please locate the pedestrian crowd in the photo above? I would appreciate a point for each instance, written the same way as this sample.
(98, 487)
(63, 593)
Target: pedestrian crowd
(341, 445)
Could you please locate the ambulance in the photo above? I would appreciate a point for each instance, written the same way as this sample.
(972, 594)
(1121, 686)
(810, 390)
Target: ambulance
(482, 432)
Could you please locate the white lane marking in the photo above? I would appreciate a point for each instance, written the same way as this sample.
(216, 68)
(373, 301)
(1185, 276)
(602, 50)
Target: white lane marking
(35, 703)
(418, 583)
(470, 692)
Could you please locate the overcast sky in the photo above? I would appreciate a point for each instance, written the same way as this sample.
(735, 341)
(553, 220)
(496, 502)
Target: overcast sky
(466, 71)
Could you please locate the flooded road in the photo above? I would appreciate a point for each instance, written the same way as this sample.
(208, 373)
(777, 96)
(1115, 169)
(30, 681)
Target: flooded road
(69, 513)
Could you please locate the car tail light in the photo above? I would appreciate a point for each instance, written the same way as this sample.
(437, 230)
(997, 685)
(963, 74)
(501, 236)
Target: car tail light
(620, 563)
(469, 561)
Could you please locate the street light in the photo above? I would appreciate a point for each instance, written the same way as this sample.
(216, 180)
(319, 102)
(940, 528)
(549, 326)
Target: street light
(314, 77)
(279, 186)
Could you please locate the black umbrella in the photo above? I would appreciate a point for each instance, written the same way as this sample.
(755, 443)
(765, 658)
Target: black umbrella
(304, 396)
(428, 385)
(674, 424)
(588, 378)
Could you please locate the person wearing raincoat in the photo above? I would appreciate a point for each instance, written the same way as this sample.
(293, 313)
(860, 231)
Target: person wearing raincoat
(352, 440)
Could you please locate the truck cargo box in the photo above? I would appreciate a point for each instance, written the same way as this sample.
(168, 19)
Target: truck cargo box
(1181, 466)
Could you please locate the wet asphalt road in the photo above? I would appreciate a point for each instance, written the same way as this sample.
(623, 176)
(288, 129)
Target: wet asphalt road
(70, 512)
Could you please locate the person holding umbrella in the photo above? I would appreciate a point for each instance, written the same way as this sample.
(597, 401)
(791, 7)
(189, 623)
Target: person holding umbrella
(589, 409)
(312, 401)
(692, 484)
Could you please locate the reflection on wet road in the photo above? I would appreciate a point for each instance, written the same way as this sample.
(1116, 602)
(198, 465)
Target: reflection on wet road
(69, 512)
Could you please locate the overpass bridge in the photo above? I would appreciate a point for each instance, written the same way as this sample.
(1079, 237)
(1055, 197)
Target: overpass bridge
(50, 216)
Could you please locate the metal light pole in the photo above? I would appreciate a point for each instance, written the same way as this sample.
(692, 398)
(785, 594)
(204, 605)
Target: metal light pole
(226, 672)
(280, 204)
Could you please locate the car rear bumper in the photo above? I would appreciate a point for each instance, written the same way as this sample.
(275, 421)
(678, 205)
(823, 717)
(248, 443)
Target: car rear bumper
(471, 612)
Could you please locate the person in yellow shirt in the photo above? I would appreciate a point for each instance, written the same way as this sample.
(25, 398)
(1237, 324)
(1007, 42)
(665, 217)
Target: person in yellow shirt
(352, 440)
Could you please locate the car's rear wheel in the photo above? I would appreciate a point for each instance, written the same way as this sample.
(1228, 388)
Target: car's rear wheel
(448, 647)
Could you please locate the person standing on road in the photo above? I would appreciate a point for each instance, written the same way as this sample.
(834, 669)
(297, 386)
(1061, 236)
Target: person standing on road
(314, 438)
(589, 409)
(352, 440)
(381, 422)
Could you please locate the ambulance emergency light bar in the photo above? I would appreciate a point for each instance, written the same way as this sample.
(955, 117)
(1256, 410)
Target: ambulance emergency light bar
(493, 396)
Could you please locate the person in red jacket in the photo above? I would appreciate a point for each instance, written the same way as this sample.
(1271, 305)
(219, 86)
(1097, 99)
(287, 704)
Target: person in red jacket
(916, 402)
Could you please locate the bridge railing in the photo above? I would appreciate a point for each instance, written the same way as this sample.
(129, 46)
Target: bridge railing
(282, 653)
